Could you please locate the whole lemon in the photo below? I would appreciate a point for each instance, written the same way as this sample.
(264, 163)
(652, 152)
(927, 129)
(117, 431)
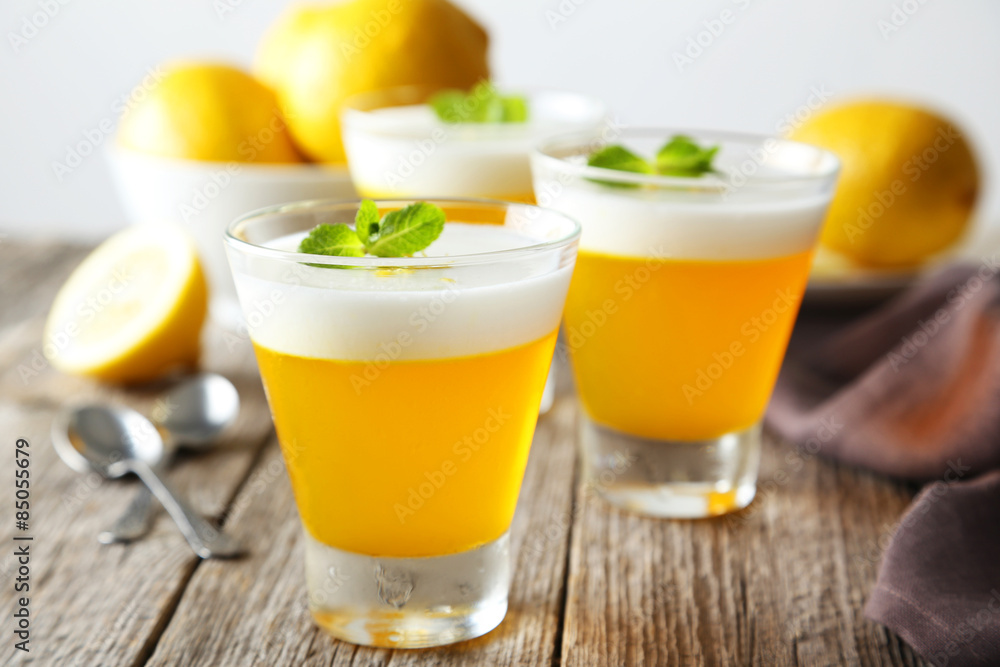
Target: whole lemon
(209, 112)
(908, 181)
(316, 56)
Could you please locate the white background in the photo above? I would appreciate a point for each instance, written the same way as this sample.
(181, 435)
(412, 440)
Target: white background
(63, 83)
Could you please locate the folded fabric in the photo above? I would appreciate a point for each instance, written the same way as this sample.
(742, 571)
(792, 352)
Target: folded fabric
(939, 585)
(911, 390)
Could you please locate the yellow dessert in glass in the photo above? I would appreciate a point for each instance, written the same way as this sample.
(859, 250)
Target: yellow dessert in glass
(405, 392)
(686, 289)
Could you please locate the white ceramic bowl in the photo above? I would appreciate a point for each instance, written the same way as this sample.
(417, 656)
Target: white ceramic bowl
(204, 197)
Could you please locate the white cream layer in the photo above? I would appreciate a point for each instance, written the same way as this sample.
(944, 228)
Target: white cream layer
(644, 223)
(359, 315)
(408, 151)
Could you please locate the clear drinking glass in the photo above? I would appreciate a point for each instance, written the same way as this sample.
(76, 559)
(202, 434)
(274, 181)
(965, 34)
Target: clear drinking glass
(680, 310)
(405, 393)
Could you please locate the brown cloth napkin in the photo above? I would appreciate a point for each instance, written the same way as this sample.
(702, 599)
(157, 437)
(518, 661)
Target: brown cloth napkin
(913, 390)
(939, 585)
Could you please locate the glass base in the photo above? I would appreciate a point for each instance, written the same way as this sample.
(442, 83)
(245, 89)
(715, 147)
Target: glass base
(672, 479)
(408, 602)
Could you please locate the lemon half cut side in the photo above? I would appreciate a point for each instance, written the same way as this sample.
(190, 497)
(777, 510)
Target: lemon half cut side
(132, 310)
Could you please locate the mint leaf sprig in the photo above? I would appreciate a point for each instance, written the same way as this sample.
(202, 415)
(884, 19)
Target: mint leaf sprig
(482, 104)
(680, 156)
(397, 234)
(334, 240)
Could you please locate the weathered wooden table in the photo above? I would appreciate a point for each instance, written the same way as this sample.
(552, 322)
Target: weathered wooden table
(782, 583)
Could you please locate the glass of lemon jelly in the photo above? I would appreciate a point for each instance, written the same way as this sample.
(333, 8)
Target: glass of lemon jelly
(683, 300)
(405, 392)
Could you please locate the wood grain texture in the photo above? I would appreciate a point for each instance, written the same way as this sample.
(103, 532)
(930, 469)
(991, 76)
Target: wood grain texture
(781, 583)
(95, 604)
(30, 274)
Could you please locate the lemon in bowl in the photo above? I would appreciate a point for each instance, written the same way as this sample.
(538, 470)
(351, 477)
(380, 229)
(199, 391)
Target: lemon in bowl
(207, 144)
(209, 111)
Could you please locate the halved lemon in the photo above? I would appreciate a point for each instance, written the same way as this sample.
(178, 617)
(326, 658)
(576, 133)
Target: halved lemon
(133, 309)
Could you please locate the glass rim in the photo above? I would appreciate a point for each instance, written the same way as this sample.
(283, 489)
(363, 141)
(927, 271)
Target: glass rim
(444, 261)
(827, 163)
(353, 105)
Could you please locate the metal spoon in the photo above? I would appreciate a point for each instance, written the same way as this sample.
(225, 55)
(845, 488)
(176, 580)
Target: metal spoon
(198, 409)
(116, 441)
(190, 415)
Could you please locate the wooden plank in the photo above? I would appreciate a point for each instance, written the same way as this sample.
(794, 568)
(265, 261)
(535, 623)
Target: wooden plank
(91, 604)
(30, 274)
(94, 604)
(782, 583)
(253, 612)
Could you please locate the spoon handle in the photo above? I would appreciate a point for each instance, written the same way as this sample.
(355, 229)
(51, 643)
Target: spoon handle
(134, 523)
(206, 540)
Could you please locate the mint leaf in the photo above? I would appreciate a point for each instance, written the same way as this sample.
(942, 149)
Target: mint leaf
(483, 104)
(335, 240)
(399, 234)
(366, 222)
(515, 109)
(681, 156)
(407, 231)
(448, 105)
(618, 158)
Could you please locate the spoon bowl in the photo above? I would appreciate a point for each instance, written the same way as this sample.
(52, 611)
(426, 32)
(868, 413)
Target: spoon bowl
(107, 438)
(198, 409)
